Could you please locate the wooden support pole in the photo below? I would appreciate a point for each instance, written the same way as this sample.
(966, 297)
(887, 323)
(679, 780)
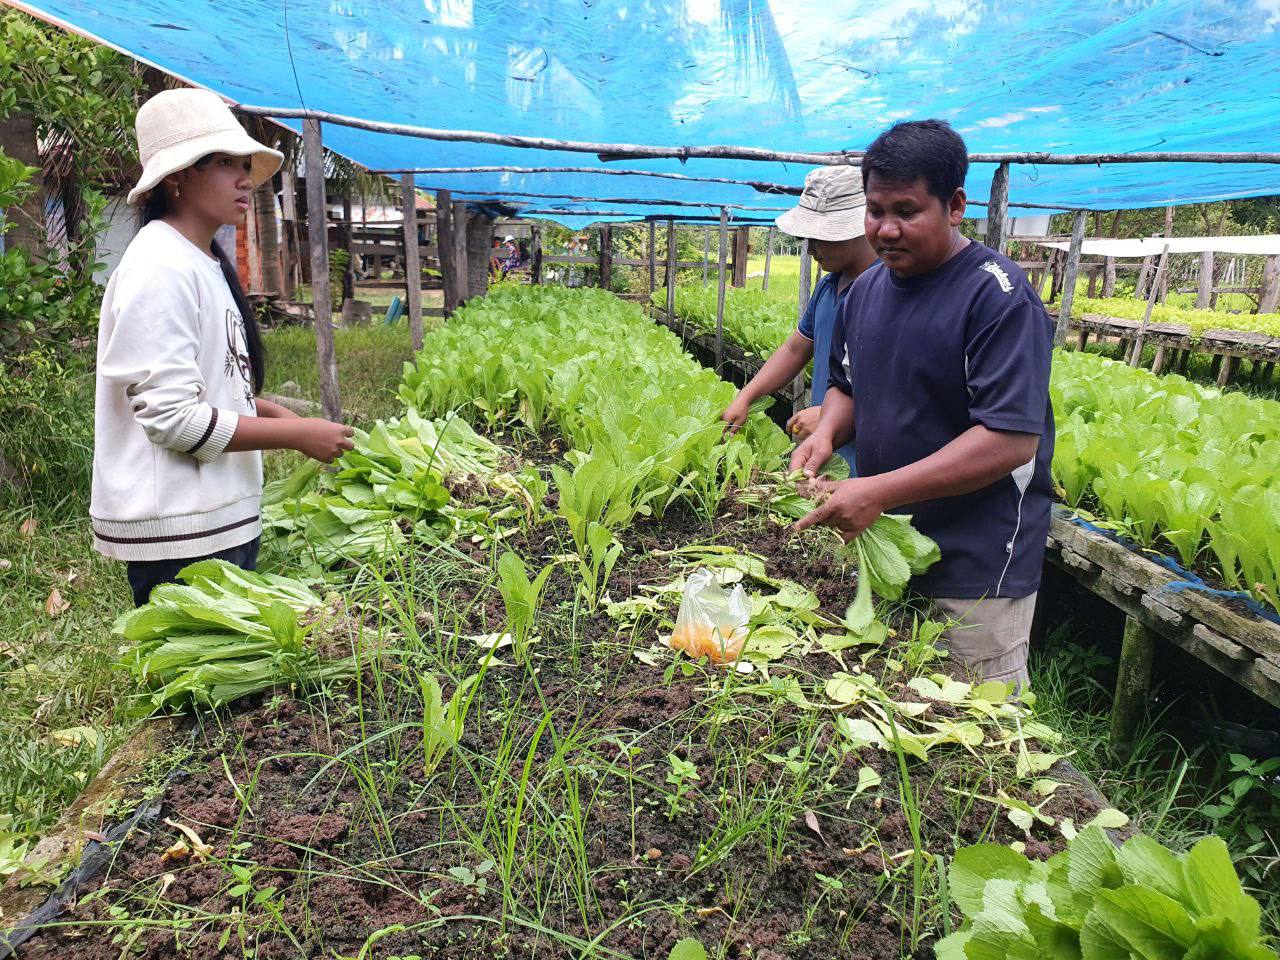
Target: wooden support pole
(1146, 315)
(1082, 339)
(1133, 684)
(706, 253)
(1108, 276)
(318, 239)
(1227, 370)
(1144, 277)
(293, 247)
(535, 268)
(1157, 365)
(1069, 278)
(671, 269)
(653, 258)
(1270, 296)
(458, 241)
(1215, 366)
(606, 257)
(998, 209)
(412, 263)
(724, 253)
(741, 253)
(768, 256)
(1204, 290)
(444, 250)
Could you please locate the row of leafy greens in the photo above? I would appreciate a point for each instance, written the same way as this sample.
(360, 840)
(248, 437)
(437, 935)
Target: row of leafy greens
(641, 417)
(756, 320)
(1173, 466)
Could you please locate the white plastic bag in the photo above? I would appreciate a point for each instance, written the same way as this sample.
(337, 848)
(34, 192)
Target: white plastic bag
(712, 621)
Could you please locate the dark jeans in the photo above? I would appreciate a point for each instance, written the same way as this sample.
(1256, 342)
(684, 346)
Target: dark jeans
(147, 574)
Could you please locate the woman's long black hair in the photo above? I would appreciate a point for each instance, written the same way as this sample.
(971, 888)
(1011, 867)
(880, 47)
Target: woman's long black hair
(156, 207)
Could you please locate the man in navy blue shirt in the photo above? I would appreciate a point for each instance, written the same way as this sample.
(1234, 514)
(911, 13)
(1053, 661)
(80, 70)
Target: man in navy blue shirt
(940, 374)
(831, 216)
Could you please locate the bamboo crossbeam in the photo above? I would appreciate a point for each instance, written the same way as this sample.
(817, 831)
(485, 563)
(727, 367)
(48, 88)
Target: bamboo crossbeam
(611, 151)
(497, 195)
(760, 186)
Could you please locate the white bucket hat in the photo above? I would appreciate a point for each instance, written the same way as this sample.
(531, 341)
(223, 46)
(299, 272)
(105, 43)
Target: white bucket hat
(831, 208)
(178, 127)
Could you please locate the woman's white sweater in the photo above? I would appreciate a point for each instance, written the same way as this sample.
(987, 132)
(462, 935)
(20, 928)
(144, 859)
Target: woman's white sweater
(173, 380)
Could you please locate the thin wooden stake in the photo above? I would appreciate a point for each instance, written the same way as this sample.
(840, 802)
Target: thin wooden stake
(768, 256)
(724, 252)
(653, 258)
(412, 263)
(998, 209)
(805, 277)
(1146, 314)
(535, 270)
(318, 240)
(1069, 278)
(671, 269)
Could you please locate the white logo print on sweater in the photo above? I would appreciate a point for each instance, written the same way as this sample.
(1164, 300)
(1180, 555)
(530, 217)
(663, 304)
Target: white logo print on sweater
(997, 271)
(237, 360)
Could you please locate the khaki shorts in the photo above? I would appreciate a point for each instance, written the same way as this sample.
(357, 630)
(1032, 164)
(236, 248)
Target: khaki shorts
(989, 638)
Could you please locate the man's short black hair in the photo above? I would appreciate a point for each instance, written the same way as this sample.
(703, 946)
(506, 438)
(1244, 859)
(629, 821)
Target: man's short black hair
(928, 150)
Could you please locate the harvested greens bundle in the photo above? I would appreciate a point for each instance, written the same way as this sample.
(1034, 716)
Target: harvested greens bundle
(391, 485)
(223, 634)
(889, 552)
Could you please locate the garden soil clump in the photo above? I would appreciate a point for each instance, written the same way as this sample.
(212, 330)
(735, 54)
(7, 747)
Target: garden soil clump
(610, 801)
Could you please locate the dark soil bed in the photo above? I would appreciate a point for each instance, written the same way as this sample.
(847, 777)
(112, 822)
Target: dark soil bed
(560, 838)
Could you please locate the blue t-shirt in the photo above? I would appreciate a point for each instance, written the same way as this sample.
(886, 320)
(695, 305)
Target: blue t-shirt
(927, 358)
(818, 324)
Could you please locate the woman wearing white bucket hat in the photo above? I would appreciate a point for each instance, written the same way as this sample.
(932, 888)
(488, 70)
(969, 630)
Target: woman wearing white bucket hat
(177, 468)
(830, 217)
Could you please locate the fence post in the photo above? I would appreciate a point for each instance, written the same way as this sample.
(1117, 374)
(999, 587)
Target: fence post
(412, 265)
(606, 257)
(768, 257)
(724, 252)
(1069, 278)
(671, 270)
(318, 240)
(1204, 290)
(998, 209)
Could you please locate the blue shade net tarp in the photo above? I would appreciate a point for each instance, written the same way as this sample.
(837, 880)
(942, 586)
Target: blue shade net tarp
(1086, 76)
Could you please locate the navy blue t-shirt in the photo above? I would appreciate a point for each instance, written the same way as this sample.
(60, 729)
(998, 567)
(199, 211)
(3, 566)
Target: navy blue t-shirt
(927, 358)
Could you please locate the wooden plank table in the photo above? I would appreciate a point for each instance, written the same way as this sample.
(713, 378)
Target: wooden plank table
(1240, 646)
(1174, 344)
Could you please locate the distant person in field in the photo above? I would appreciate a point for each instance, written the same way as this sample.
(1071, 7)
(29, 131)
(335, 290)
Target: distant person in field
(830, 217)
(178, 425)
(939, 374)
